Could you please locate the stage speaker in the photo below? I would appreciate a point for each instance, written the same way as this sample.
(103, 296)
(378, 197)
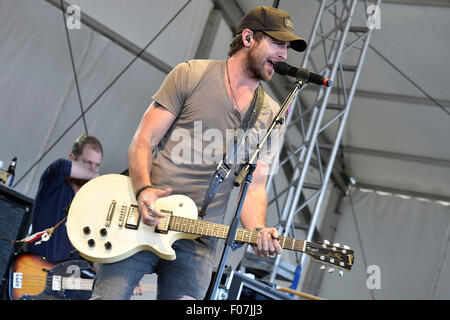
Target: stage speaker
(15, 220)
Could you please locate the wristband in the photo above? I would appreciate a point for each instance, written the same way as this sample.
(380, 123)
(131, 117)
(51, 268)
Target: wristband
(138, 192)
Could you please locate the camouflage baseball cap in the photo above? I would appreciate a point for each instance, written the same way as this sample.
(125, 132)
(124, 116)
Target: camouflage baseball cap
(273, 22)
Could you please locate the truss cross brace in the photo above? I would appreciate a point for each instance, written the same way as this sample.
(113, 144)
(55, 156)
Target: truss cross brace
(332, 40)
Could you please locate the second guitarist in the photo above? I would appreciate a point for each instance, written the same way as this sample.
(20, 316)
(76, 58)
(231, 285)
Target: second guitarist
(57, 187)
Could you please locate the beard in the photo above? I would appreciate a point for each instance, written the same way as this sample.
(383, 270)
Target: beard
(255, 65)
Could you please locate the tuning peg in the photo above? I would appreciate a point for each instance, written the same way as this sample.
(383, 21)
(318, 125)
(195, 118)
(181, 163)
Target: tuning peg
(346, 247)
(336, 244)
(326, 241)
(331, 270)
(341, 273)
(322, 267)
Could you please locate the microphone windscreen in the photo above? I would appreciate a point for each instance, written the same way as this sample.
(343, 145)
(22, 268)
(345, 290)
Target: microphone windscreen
(282, 68)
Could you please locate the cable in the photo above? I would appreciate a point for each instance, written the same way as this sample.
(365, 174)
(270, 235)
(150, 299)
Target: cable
(441, 264)
(73, 68)
(298, 293)
(410, 80)
(100, 95)
(358, 233)
(43, 235)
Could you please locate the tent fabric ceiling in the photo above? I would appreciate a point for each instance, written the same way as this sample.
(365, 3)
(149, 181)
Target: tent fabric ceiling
(412, 37)
(395, 238)
(45, 119)
(396, 139)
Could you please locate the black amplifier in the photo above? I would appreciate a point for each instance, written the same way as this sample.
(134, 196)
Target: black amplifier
(239, 286)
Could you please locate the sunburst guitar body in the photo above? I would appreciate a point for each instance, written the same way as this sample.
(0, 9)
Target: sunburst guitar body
(33, 278)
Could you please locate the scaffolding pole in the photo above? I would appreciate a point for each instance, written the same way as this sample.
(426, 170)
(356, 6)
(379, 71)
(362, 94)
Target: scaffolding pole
(333, 39)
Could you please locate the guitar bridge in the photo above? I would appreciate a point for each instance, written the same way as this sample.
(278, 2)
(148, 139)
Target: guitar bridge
(163, 225)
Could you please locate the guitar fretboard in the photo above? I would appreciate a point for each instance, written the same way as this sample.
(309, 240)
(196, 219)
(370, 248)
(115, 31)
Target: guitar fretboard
(220, 231)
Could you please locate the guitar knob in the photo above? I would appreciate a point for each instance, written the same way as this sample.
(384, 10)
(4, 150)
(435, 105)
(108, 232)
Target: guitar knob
(322, 258)
(341, 273)
(341, 264)
(331, 270)
(322, 267)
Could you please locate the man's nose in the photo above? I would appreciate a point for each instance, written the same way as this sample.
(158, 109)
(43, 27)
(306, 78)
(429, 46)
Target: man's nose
(283, 53)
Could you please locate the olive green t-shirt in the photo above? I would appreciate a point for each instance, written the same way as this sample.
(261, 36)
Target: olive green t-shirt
(206, 122)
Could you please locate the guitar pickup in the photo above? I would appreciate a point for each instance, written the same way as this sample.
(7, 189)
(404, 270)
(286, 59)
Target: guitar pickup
(133, 218)
(123, 210)
(17, 280)
(163, 225)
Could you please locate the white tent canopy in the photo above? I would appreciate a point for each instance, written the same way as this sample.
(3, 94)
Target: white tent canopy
(396, 139)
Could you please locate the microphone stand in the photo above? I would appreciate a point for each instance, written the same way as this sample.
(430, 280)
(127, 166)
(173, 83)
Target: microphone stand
(245, 174)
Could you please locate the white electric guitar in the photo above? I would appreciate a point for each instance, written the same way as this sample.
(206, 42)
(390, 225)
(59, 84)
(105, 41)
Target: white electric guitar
(104, 225)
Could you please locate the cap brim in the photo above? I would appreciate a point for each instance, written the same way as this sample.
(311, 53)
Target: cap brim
(297, 43)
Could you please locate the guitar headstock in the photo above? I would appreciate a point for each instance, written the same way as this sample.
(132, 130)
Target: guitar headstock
(334, 255)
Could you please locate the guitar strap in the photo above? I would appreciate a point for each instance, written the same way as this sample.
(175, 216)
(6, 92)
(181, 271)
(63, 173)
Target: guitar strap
(224, 167)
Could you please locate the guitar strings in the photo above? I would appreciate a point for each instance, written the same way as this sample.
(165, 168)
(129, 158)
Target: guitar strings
(81, 283)
(33, 277)
(212, 229)
(145, 287)
(37, 280)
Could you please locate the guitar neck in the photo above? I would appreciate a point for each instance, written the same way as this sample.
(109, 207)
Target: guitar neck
(220, 231)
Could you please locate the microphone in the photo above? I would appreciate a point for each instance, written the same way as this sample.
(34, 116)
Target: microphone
(284, 69)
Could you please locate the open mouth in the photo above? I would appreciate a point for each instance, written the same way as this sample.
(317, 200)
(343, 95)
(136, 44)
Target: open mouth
(271, 64)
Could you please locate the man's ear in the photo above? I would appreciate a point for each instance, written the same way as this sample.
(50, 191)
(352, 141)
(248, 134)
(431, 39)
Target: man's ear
(71, 156)
(247, 34)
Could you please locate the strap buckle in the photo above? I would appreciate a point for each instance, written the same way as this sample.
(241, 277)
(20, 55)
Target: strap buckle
(223, 170)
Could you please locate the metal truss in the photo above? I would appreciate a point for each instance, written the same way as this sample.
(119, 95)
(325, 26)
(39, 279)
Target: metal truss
(298, 183)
